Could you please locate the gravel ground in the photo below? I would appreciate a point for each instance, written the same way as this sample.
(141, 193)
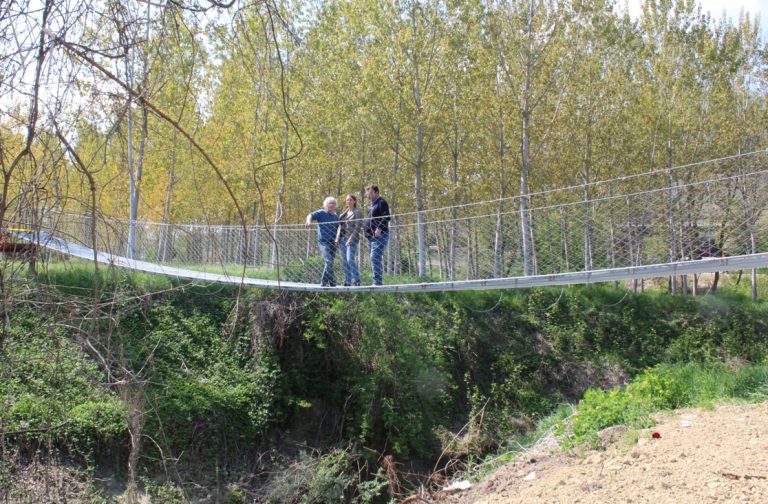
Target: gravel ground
(699, 456)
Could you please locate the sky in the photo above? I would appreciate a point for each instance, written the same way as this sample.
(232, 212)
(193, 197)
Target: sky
(732, 9)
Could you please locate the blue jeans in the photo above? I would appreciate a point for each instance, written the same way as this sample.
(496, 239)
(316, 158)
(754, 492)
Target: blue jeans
(348, 264)
(378, 245)
(328, 251)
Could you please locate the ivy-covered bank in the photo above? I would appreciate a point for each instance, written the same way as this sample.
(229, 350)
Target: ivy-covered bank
(201, 393)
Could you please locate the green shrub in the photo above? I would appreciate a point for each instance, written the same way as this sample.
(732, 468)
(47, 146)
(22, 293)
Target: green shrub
(209, 390)
(651, 391)
(330, 477)
(384, 371)
(660, 388)
(51, 391)
(164, 492)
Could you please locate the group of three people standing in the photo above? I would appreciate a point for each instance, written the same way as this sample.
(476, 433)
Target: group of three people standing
(342, 232)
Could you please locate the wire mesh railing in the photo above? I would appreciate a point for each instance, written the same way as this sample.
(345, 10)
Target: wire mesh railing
(679, 215)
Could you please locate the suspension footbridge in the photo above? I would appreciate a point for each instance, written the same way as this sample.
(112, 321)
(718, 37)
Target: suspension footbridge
(696, 218)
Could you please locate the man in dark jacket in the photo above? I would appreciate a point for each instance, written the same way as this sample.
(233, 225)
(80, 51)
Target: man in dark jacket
(377, 231)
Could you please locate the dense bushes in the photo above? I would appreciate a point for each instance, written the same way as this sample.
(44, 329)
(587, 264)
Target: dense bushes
(391, 369)
(51, 392)
(644, 329)
(207, 393)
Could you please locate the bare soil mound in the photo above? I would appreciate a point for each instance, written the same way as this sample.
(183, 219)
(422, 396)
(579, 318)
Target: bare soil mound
(699, 456)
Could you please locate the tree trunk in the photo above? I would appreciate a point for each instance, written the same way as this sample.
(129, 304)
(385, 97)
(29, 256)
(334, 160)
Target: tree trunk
(470, 275)
(165, 245)
(131, 173)
(498, 247)
(753, 244)
(420, 225)
(280, 197)
(586, 171)
(451, 253)
(498, 238)
(133, 398)
(564, 235)
(525, 152)
(136, 169)
(257, 236)
(524, 217)
(671, 221)
(672, 237)
(419, 153)
(394, 252)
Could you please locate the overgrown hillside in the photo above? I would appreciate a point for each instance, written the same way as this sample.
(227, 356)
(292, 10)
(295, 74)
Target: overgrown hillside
(209, 393)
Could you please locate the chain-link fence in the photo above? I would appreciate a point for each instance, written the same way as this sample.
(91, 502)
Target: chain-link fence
(685, 214)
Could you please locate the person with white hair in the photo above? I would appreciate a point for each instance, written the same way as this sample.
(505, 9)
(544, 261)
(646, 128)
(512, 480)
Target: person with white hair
(327, 226)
